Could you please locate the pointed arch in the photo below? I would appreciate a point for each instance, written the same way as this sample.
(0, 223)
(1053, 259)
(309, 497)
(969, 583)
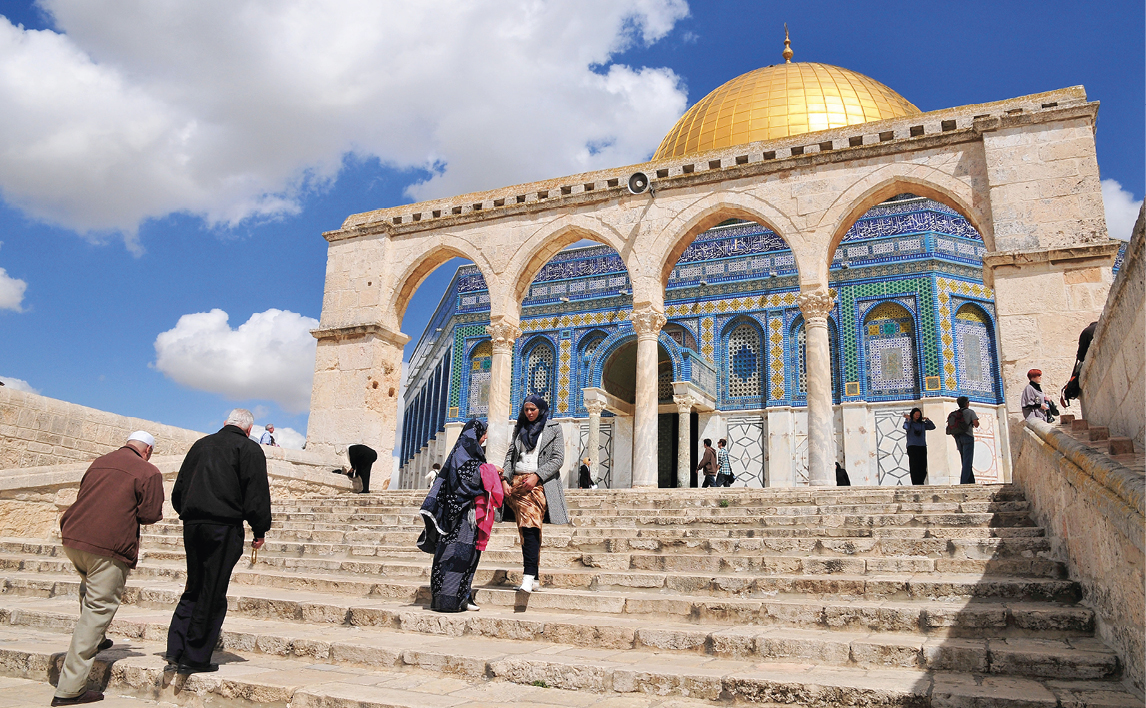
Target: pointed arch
(420, 267)
(888, 181)
(890, 352)
(711, 210)
(976, 353)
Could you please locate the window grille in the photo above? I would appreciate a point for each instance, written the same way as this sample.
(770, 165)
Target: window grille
(802, 358)
(539, 371)
(744, 362)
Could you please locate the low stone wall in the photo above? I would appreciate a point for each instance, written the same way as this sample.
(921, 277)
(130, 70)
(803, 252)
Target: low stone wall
(32, 499)
(1094, 511)
(36, 431)
(1113, 387)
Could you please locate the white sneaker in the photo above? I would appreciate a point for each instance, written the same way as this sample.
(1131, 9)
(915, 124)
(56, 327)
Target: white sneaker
(528, 584)
(471, 607)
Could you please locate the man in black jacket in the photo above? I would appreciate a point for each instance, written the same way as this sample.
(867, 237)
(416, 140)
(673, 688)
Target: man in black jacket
(222, 483)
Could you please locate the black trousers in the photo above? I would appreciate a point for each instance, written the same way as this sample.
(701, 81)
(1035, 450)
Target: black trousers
(212, 552)
(362, 458)
(917, 463)
(530, 550)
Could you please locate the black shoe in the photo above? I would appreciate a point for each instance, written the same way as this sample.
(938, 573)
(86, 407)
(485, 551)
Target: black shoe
(105, 645)
(186, 669)
(85, 697)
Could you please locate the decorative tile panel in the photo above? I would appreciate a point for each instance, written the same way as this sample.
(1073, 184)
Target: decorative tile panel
(746, 448)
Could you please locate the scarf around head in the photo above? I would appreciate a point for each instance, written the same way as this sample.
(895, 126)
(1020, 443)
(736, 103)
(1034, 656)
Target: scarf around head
(529, 433)
(466, 449)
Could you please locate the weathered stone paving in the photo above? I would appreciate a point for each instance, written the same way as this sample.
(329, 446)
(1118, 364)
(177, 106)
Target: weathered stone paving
(932, 596)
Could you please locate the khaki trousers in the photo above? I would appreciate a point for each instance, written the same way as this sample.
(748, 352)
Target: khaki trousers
(101, 588)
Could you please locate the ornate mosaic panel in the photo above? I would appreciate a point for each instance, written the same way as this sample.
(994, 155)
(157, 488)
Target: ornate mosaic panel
(891, 442)
(985, 464)
(459, 361)
(890, 349)
(852, 297)
(946, 287)
(604, 456)
(707, 340)
(563, 369)
(976, 365)
(776, 357)
(481, 360)
(746, 450)
(801, 351)
(744, 362)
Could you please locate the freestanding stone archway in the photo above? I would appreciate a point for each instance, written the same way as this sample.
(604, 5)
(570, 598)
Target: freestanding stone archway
(1022, 171)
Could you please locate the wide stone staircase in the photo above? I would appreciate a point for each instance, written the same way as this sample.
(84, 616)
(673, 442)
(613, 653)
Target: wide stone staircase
(908, 596)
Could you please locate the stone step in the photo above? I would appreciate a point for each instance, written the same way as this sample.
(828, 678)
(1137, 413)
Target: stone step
(356, 671)
(701, 520)
(576, 547)
(410, 629)
(559, 536)
(337, 513)
(132, 676)
(668, 594)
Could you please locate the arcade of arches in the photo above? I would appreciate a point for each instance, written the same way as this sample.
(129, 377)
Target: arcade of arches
(807, 282)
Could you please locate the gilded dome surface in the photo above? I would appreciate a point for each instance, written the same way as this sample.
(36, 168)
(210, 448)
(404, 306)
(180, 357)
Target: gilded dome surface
(778, 101)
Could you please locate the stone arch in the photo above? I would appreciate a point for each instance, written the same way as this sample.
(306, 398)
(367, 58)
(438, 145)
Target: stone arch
(608, 346)
(549, 240)
(709, 211)
(425, 263)
(886, 182)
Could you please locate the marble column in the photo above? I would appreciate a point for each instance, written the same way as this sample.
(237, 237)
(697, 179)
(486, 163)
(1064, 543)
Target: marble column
(593, 445)
(684, 406)
(815, 305)
(647, 323)
(502, 335)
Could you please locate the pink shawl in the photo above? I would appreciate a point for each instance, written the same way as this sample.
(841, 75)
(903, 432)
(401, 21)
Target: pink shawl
(487, 504)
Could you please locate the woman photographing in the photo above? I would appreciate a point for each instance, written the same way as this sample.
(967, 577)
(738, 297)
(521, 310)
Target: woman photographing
(531, 480)
(917, 426)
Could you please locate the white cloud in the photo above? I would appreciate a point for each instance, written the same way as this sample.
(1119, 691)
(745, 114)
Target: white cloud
(269, 357)
(1121, 209)
(230, 110)
(11, 292)
(285, 437)
(18, 384)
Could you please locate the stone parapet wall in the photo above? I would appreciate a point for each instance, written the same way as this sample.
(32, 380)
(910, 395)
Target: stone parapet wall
(37, 431)
(1113, 385)
(32, 499)
(1094, 512)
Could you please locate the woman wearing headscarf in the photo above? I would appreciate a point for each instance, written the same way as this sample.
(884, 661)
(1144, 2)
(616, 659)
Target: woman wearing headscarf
(917, 426)
(1034, 401)
(450, 515)
(532, 481)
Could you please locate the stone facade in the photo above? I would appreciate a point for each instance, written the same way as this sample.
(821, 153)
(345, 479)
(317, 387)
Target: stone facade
(1023, 172)
(37, 430)
(1113, 380)
(1094, 513)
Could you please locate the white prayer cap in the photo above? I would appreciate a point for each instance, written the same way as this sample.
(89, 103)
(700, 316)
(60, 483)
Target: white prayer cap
(142, 436)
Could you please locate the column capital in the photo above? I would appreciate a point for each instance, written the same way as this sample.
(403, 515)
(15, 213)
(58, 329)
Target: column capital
(684, 404)
(815, 303)
(502, 335)
(647, 321)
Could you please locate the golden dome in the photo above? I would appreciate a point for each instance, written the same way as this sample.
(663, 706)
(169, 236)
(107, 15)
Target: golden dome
(778, 101)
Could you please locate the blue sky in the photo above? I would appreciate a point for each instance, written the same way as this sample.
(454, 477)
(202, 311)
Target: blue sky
(157, 166)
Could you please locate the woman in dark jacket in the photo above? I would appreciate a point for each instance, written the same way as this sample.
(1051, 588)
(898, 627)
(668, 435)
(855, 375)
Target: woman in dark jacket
(449, 514)
(917, 426)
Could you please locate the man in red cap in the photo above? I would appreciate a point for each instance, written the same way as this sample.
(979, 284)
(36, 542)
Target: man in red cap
(1033, 401)
(120, 491)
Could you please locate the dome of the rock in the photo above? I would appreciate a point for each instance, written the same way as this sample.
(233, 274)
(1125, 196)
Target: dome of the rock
(778, 101)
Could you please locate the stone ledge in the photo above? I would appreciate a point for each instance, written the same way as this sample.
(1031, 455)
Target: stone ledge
(1123, 482)
(1074, 255)
(361, 330)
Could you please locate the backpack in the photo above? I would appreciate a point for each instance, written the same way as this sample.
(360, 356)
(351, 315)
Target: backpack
(956, 422)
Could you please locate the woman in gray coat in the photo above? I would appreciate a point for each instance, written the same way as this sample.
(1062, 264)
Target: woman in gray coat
(531, 479)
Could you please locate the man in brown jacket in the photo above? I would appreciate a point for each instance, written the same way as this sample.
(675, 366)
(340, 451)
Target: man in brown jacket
(119, 491)
(708, 464)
